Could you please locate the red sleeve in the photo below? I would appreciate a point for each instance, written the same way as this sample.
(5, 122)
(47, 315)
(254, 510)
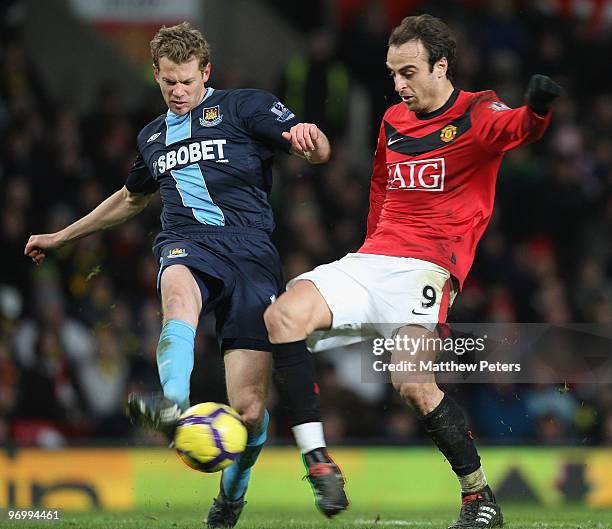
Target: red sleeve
(378, 185)
(501, 128)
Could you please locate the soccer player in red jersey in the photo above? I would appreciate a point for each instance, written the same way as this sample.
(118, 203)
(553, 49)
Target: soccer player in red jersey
(432, 192)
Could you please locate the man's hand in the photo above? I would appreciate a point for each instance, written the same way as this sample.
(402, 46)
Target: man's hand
(37, 244)
(541, 93)
(308, 140)
(303, 137)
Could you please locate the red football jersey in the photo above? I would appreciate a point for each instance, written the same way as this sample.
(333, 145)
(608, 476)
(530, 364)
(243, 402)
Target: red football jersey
(433, 182)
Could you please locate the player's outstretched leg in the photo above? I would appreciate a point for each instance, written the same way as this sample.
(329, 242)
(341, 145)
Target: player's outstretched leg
(174, 362)
(445, 423)
(228, 505)
(181, 303)
(295, 379)
(247, 375)
(447, 427)
(288, 320)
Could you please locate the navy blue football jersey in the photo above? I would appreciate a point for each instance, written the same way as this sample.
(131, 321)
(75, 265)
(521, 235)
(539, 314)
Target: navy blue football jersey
(213, 166)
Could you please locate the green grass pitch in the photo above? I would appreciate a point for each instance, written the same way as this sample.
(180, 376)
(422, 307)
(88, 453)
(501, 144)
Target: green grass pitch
(525, 517)
(388, 488)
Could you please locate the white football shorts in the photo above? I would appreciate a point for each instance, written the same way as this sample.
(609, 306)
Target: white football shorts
(375, 295)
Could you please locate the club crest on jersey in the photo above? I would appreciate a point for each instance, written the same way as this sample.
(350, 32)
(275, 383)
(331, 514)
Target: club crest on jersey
(448, 133)
(177, 252)
(211, 116)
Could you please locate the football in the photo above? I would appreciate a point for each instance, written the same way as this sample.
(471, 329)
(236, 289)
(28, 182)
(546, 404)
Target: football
(210, 436)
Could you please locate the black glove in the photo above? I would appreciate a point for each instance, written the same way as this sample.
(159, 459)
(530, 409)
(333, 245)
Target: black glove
(541, 93)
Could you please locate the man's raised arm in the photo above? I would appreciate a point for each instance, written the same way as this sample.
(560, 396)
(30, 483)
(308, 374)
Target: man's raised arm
(117, 208)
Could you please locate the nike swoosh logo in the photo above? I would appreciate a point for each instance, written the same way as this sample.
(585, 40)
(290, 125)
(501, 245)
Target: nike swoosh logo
(393, 140)
(421, 313)
(163, 364)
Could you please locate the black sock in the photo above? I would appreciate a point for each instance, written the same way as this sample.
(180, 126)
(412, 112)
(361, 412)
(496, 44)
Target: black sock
(295, 379)
(318, 455)
(447, 428)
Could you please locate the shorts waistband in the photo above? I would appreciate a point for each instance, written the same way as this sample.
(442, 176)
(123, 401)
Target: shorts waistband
(216, 230)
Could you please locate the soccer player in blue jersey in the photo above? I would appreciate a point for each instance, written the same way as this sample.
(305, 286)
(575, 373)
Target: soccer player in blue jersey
(210, 157)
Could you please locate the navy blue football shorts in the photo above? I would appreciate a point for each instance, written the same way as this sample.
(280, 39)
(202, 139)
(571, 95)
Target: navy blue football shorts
(239, 274)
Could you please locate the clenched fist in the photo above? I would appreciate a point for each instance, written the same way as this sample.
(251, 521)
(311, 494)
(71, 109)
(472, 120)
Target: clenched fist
(37, 244)
(303, 137)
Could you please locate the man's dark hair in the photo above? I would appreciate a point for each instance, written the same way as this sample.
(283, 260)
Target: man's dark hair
(435, 36)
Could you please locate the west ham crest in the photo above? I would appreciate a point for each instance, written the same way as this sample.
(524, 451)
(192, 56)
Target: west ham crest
(211, 116)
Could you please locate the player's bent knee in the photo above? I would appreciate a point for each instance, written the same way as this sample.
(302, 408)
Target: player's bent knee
(180, 294)
(275, 322)
(252, 414)
(283, 322)
(174, 302)
(180, 304)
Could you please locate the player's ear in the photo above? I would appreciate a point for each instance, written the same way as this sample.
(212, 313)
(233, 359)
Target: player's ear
(156, 72)
(441, 67)
(206, 72)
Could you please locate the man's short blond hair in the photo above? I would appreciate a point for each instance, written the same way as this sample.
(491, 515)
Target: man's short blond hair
(180, 44)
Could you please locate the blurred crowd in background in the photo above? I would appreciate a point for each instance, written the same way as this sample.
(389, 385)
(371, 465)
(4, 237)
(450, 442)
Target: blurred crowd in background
(80, 332)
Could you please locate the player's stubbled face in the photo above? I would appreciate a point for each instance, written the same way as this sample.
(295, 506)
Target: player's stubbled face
(414, 82)
(182, 85)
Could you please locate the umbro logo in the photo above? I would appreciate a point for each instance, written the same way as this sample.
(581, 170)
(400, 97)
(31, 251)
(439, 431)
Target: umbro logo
(154, 137)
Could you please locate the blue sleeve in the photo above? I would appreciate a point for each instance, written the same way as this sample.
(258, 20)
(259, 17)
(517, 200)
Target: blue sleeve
(139, 179)
(266, 118)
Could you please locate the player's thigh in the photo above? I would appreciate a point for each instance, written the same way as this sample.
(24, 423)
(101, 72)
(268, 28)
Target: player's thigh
(411, 293)
(305, 303)
(247, 376)
(180, 294)
(335, 293)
